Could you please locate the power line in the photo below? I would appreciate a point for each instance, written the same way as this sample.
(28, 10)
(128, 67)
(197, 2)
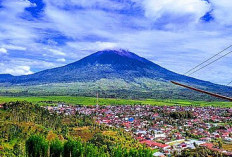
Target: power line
(207, 60)
(229, 83)
(210, 63)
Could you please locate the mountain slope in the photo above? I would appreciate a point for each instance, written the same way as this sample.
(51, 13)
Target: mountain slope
(115, 67)
(4, 77)
(103, 64)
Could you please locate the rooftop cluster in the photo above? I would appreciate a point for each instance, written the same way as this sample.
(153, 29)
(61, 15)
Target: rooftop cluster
(169, 129)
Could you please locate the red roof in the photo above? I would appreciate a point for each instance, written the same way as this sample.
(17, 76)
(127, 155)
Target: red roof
(229, 130)
(106, 121)
(226, 134)
(208, 145)
(155, 115)
(126, 125)
(153, 144)
(140, 138)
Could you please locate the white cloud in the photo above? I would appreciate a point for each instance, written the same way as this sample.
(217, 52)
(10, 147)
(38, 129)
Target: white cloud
(105, 45)
(3, 50)
(78, 24)
(22, 66)
(99, 45)
(222, 11)
(56, 52)
(14, 47)
(16, 33)
(61, 60)
(92, 46)
(172, 10)
(17, 70)
(17, 6)
(38, 64)
(101, 4)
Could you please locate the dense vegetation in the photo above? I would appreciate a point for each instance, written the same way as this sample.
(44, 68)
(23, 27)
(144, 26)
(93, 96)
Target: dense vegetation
(110, 88)
(181, 115)
(37, 146)
(30, 130)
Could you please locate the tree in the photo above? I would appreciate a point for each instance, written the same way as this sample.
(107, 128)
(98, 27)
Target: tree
(220, 144)
(195, 145)
(69, 147)
(17, 150)
(56, 148)
(36, 146)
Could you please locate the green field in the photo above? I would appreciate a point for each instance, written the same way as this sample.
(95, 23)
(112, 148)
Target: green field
(107, 101)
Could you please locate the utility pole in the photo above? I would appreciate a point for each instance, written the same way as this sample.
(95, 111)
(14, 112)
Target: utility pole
(97, 98)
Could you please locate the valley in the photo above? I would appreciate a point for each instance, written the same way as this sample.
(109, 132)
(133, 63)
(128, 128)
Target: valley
(112, 103)
(115, 78)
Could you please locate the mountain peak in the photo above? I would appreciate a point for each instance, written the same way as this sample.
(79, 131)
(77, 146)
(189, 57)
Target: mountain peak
(117, 54)
(119, 59)
(120, 52)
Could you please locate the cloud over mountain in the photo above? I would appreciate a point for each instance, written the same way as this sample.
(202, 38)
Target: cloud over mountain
(176, 34)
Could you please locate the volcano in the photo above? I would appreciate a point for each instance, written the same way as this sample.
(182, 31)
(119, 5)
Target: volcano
(114, 71)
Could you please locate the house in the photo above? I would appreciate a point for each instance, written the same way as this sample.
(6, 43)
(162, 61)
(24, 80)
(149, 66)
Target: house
(215, 135)
(158, 154)
(228, 139)
(141, 132)
(205, 139)
(226, 134)
(155, 144)
(159, 135)
(207, 145)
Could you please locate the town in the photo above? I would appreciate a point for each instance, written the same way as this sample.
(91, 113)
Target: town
(169, 129)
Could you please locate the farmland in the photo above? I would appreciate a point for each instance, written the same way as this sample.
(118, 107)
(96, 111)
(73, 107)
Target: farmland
(53, 100)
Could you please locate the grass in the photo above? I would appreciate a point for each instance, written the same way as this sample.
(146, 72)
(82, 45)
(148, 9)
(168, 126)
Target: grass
(109, 101)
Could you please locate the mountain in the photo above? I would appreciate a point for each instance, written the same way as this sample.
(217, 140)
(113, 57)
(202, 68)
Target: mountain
(3, 77)
(116, 72)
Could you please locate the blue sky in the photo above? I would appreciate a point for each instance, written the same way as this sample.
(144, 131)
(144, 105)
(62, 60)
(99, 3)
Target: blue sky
(176, 34)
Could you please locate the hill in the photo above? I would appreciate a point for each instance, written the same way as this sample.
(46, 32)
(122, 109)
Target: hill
(114, 73)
